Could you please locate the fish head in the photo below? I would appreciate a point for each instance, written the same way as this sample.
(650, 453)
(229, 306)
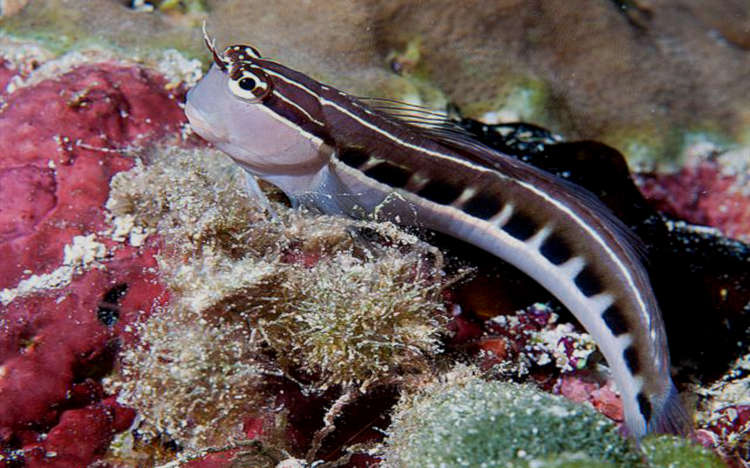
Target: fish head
(263, 115)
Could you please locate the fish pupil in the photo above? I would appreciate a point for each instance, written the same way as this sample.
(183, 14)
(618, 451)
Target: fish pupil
(248, 84)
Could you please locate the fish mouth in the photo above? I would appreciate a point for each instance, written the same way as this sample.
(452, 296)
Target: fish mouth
(200, 125)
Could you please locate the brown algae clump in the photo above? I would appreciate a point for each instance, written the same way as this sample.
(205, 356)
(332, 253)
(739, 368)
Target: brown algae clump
(190, 380)
(343, 302)
(356, 321)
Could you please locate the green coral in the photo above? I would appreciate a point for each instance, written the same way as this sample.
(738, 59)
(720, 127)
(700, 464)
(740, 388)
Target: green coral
(463, 420)
(666, 451)
(564, 460)
(466, 421)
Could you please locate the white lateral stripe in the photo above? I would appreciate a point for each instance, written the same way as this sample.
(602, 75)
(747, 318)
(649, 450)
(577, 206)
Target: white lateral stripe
(561, 206)
(601, 301)
(572, 267)
(537, 239)
(370, 163)
(298, 107)
(464, 197)
(501, 218)
(291, 124)
(416, 182)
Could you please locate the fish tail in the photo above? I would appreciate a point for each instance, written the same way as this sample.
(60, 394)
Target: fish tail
(669, 415)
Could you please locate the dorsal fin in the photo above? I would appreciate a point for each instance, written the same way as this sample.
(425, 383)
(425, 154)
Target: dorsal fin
(429, 123)
(441, 129)
(477, 152)
(417, 116)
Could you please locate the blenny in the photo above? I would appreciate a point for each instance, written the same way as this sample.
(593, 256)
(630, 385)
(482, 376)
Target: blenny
(359, 157)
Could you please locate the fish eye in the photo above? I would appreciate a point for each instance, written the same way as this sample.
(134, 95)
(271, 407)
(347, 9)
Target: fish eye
(252, 85)
(247, 83)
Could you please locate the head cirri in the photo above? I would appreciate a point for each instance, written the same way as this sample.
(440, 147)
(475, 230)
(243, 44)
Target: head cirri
(245, 106)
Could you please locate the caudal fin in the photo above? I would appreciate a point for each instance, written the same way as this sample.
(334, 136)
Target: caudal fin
(670, 417)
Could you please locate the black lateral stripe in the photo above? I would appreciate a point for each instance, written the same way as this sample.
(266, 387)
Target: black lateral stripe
(353, 157)
(520, 226)
(631, 359)
(588, 282)
(645, 406)
(615, 320)
(555, 250)
(389, 174)
(482, 206)
(440, 192)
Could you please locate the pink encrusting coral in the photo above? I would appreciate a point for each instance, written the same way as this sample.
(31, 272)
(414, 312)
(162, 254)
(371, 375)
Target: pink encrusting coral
(61, 137)
(67, 295)
(705, 193)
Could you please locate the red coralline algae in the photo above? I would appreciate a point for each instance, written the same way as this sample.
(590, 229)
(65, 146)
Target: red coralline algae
(581, 387)
(702, 194)
(731, 428)
(51, 342)
(30, 194)
(70, 124)
(81, 435)
(215, 460)
(61, 141)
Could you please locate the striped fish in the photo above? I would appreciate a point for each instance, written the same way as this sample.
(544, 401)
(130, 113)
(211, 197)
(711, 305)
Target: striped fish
(344, 155)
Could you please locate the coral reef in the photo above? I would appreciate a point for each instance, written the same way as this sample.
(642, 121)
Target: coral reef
(237, 337)
(462, 420)
(712, 190)
(576, 460)
(543, 340)
(724, 412)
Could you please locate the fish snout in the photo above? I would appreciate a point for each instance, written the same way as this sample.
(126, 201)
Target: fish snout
(202, 126)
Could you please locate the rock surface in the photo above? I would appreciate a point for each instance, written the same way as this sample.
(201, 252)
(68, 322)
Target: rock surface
(647, 78)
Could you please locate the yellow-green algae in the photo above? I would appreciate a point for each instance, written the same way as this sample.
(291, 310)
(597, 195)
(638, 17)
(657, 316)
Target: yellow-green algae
(253, 297)
(182, 6)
